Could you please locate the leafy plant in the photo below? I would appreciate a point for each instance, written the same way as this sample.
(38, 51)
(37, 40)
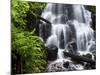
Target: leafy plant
(27, 50)
(19, 12)
(31, 51)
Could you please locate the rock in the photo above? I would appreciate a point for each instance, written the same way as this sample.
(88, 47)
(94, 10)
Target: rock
(88, 56)
(56, 67)
(94, 55)
(63, 19)
(90, 66)
(93, 48)
(73, 30)
(72, 47)
(45, 30)
(93, 22)
(61, 40)
(52, 51)
(66, 64)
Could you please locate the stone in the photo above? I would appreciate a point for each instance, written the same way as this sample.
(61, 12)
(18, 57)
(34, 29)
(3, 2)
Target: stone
(56, 67)
(90, 66)
(88, 56)
(66, 64)
(72, 47)
(52, 51)
(45, 30)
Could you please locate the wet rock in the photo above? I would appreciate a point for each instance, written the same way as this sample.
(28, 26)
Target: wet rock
(45, 30)
(73, 30)
(94, 52)
(66, 64)
(90, 66)
(93, 22)
(56, 67)
(72, 47)
(88, 56)
(61, 40)
(93, 48)
(94, 55)
(52, 51)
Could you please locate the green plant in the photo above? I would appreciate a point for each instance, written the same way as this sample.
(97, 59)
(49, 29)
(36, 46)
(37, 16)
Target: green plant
(19, 12)
(30, 50)
(27, 50)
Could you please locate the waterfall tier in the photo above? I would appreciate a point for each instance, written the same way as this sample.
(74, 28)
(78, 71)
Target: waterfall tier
(70, 28)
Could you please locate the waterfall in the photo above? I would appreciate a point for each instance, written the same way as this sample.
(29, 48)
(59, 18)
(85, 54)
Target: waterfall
(69, 23)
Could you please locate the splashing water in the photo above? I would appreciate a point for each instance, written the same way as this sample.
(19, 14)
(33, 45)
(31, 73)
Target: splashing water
(68, 22)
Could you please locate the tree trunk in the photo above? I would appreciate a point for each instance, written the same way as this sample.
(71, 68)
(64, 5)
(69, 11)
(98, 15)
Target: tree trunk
(79, 58)
(41, 18)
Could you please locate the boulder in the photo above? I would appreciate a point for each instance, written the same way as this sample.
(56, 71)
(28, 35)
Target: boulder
(56, 67)
(90, 66)
(66, 64)
(88, 56)
(44, 27)
(45, 30)
(93, 16)
(52, 51)
(72, 47)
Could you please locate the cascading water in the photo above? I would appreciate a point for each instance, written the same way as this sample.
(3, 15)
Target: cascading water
(69, 23)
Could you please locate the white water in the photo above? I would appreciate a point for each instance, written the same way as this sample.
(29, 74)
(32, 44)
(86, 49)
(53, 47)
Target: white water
(63, 18)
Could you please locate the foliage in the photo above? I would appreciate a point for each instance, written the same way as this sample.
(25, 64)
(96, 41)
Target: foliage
(37, 7)
(19, 12)
(31, 51)
(21, 9)
(92, 9)
(32, 21)
(28, 53)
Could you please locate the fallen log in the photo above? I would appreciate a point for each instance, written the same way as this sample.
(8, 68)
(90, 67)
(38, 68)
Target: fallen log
(79, 58)
(41, 18)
